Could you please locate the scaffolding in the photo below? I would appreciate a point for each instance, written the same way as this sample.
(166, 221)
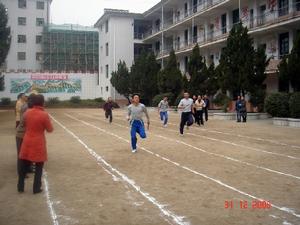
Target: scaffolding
(70, 48)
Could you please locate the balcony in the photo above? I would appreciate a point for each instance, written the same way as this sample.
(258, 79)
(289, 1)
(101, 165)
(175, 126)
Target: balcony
(187, 15)
(264, 21)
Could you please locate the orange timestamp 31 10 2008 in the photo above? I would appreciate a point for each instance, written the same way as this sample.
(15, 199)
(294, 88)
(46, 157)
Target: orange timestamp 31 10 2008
(255, 204)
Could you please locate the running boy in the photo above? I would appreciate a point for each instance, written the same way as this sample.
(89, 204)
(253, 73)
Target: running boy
(108, 107)
(135, 116)
(186, 105)
(163, 107)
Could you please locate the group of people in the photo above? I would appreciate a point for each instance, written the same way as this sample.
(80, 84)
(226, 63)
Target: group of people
(31, 123)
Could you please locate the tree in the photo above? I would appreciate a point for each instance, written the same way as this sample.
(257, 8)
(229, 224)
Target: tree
(237, 61)
(211, 85)
(294, 65)
(197, 71)
(283, 76)
(256, 87)
(143, 76)
(170, 78)
(120, 80)
(4, 40)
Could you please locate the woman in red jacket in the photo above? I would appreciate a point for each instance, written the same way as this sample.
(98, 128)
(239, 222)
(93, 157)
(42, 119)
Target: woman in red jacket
(33, 148)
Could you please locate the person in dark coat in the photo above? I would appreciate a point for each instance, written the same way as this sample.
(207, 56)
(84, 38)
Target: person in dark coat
(108, 108)
(238, 106)
(206, 107)
(243, 109)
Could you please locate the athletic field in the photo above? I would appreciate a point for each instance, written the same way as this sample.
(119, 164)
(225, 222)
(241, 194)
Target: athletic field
(224, 173)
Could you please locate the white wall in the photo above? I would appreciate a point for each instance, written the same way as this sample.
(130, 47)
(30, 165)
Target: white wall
(30, 30)
(89, 87)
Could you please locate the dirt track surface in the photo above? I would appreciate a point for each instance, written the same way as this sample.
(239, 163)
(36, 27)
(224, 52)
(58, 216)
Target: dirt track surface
(92, 177)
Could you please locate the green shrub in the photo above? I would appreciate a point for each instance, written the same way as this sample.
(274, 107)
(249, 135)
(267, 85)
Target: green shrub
(294, 105)
(75, 99)
(277, 105)
(100, 100)
(222, 100)
(177, 100)
(158, 98)
(5, 101)
(53, 101)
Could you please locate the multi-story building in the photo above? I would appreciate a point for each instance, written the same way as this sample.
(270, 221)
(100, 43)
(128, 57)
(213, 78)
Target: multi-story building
(180, 24)
(26, 18)
(70, 48)
(120, 38)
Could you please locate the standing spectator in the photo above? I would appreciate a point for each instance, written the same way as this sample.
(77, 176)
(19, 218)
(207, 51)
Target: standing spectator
(108, 108)
(33, 149)
(186, 105)
(21, 99)
(206, 107)
(238, 107)
(163, 107)
(199, 106)
(243, 109)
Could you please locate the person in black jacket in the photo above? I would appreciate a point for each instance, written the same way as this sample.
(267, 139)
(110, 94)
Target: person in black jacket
(243, 109)
(205, 109)
(108, 107)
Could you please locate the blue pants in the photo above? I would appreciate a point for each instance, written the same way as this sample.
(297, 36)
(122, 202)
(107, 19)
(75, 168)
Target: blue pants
(137, 126)
(164, 117)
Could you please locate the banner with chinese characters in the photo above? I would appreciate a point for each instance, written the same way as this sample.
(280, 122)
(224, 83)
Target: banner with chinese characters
(46, 83)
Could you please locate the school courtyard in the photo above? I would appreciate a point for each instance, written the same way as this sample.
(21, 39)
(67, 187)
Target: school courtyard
(224, 173)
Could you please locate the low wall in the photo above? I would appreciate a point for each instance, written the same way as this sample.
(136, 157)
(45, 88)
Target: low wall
(232, 116)
(61, 85)
(290, 122)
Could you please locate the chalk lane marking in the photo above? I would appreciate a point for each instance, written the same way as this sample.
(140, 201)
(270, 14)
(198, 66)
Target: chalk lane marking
(249, 137)
(283, 209)
(215, 154)
(49, 201)
(167, 213)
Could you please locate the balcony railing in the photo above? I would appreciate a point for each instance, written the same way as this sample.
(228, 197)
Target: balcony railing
(197, 9)
(267, 19)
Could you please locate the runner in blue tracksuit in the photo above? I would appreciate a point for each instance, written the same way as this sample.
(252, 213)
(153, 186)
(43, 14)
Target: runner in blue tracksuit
(163, 107)
(135, 116)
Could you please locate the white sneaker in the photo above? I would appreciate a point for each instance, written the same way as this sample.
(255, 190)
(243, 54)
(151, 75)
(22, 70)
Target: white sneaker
(181, 135)
(165, 125)
(134, 150)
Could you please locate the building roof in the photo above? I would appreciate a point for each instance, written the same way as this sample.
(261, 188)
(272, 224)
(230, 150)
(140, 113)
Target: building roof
(117, 13)
(70, 27)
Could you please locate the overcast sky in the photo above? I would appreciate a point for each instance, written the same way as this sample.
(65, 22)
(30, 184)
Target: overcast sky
(87, 12)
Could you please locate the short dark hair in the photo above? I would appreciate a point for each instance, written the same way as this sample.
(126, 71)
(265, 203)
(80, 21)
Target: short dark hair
(20, 95)
(136, 94)
(38, 100)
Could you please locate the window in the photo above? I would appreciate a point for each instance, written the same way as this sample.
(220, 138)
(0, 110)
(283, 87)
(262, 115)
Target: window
(21, 55)
(106, 26)
(106, 71)
(106, 88)
(38, 56)
(22, 4)
(40, 22)
(235, 16)
(40, 5)
(38, 39)
(284, 47)
(22, 21)
(21, 38)
(224, 24)
(106, 49)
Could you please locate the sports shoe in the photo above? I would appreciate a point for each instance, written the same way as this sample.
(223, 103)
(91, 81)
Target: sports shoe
(165, 125)
(134, 150)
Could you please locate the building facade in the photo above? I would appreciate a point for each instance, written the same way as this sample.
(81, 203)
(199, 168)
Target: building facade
(181, 24)
(70, 48)
(120, 38)
(26, 19)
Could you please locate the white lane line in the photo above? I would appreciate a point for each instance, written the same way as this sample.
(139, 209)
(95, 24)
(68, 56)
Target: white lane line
(228, 142)
(217, 155)
(229, 158)
(167, 213)
(283, 209)
(49, 201)
(245, 136)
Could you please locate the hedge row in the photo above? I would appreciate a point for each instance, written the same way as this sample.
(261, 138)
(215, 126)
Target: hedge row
(283, 105)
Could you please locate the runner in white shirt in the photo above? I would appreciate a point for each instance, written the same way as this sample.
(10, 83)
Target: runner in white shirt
(186, 105)
(163, 107)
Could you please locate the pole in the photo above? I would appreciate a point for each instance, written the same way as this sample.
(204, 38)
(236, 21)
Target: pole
(114, 57)
(162, 34)
(240, 10)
